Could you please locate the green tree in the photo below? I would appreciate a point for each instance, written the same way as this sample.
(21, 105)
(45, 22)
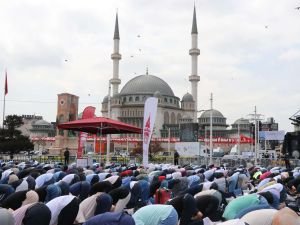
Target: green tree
(11, 139)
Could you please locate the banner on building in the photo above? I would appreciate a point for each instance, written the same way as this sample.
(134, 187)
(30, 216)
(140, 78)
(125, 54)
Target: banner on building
(88, 112)
(149, 119)
(272, 135)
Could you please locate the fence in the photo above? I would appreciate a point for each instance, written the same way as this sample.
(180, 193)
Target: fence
(217, 161)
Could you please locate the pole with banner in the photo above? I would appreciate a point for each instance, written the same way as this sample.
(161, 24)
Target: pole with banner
(150, 110)
(5, 93)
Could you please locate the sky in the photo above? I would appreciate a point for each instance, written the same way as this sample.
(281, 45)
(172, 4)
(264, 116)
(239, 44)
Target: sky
(249, 52)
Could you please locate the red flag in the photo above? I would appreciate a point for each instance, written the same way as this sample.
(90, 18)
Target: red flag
(5, 87)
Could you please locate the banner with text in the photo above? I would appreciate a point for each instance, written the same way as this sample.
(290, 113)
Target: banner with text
(149, 119)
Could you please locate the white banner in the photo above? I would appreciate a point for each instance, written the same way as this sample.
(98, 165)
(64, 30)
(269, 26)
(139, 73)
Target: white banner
(149, 119)
(272, 135)
(188, 149)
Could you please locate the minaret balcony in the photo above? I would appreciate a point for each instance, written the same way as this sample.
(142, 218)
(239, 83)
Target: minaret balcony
(115, 81)
(194, 51)
(194, 78)
(116, 56)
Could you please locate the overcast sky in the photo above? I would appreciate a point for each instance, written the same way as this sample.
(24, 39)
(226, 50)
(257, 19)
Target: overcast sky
(250, 52)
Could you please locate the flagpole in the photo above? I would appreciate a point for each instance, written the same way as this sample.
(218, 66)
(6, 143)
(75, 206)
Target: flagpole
(3, 111)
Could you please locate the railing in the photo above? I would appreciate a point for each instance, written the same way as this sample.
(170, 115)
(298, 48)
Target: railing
(217, 161)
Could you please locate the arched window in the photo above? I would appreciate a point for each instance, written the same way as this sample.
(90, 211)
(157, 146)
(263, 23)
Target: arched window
(137, 98)
(166, 100)
(130, 99)
(173, 119)
(166, 118)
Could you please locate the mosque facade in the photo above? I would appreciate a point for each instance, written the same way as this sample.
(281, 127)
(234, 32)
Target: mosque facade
(127, 105)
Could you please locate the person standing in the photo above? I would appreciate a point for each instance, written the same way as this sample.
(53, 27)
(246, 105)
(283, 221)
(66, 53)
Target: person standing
(67, 156)
(176, 157)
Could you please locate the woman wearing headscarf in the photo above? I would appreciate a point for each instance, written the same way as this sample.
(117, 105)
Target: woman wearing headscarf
(102, 186)
(121, 197)
(5, 191)
(21, 198)
(115, 181)
(187, 210)
(111, 218)
(44, 179)
(87, 208)
(32, 214)
(80, 189)
(104, 204)
(242, 205)
(6, 217)
(63, 209)
(156, 215)
(71, 179)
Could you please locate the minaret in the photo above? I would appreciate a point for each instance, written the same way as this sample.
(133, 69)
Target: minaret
(116, 57)
(194, 52)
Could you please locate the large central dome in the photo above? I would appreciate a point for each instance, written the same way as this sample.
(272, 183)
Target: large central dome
(146, 84)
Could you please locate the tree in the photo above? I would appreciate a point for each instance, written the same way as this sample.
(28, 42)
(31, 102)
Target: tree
(11, 139)
(12, 122)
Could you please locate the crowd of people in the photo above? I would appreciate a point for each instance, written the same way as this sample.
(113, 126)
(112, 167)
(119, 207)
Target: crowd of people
(33, 193)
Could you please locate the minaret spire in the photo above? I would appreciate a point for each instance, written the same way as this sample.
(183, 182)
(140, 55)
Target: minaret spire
(116, 57)
(194, 52)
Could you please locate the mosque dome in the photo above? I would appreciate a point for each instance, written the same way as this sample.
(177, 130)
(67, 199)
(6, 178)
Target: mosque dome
(187, 98)
(215, 113)
(42, 123)
(146, 84)
(105, 99)
(242, 121)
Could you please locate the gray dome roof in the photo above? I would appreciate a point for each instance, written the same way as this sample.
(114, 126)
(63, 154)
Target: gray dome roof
(242, 121)
(187, 98)
(146, 84)
(215, 113)
(105, 99)
(41, 122)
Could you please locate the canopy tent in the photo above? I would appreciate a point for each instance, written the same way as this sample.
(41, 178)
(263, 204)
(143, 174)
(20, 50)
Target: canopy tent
(100, 125)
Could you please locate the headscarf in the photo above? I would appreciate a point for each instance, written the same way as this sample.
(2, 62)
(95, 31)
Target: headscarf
(5, 191)
(56, 205)
(286, 216)
(260, 217)
(18, 199)
(103, 186)
(6, 217)
(80, 189)
(104, 203)
(87, 208)
(111, 218)
(44, 179)
(121, 197)
(37, 214)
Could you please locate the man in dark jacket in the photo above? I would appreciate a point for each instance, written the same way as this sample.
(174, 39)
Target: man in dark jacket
(67, 156)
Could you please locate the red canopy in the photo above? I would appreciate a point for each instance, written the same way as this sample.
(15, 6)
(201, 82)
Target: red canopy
(100, 125)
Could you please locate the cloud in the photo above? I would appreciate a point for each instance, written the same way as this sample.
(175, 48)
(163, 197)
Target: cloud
(290, 55)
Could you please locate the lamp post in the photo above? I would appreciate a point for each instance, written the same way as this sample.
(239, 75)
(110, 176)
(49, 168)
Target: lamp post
(210, 136)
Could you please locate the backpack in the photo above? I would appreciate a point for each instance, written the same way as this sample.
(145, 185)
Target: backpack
(162, 195)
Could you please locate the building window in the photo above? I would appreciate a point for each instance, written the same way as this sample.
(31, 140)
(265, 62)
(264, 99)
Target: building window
(166, 100)
(171, 100)
(137, 98)
(130, 99)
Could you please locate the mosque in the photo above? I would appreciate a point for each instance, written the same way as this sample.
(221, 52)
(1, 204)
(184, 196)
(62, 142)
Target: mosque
(127, 105)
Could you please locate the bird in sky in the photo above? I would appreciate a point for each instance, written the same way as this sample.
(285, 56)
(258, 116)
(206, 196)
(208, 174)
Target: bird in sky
(140, 49)
(131, 56)
(138, 36)
(298, 8)
(66, 60)
(266, 27)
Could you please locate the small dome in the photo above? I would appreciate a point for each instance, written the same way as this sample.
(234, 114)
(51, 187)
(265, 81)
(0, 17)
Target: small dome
(242, 121)
(187, 98)
(146, 84)
(41, 122)
(215, 113)
(105, 99)
(157, 94)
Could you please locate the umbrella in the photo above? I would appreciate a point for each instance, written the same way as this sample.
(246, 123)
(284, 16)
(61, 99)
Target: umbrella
(100, 125)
